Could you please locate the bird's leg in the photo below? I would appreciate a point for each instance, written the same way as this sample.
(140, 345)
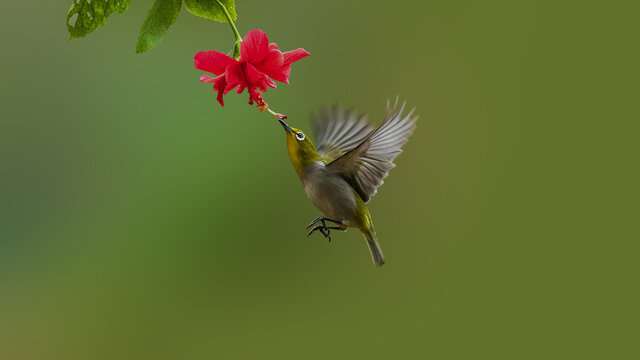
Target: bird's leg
(324, 230)
(323, 219)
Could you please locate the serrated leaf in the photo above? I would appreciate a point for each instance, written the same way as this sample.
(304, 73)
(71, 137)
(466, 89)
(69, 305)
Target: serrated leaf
(161, 16)
(211, 10)
(91, 14)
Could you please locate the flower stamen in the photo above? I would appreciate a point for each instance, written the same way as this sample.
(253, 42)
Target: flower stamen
(264, 106)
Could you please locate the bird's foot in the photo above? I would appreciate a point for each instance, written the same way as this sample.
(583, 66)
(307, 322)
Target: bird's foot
(324, 229)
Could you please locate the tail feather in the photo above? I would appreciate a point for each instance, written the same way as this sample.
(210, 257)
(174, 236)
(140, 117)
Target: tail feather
(374, 247)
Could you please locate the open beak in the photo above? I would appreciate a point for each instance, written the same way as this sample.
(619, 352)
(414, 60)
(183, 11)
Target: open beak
(285, 126)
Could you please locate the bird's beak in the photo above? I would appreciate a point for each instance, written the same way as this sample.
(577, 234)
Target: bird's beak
(285, 126)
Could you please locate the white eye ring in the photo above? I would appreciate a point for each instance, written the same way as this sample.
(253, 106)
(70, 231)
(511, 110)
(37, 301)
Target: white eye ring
(300, 136)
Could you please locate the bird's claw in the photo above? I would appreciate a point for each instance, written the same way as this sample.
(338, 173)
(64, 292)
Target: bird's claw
(324, 230)
(319, 218)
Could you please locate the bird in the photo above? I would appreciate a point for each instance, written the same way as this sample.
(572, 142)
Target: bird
(350, 161)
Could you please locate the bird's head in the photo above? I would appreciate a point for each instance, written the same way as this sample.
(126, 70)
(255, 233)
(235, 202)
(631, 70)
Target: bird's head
(301, 149)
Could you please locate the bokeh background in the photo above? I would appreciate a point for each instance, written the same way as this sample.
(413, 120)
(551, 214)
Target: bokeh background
(139, 219)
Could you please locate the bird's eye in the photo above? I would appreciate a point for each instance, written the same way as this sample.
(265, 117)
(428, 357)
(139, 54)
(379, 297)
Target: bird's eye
(300, 136)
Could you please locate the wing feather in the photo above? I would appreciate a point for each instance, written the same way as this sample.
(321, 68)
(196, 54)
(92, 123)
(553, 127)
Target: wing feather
(338, 131)
(366, 165)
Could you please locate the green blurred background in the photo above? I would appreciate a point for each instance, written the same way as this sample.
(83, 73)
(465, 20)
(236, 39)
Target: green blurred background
(139, 219)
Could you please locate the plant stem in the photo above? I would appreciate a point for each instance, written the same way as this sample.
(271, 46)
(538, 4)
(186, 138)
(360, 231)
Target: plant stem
(236, 47)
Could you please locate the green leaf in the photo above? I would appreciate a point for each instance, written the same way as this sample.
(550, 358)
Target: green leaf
(91, 14)
(161, 16)
(211, 10)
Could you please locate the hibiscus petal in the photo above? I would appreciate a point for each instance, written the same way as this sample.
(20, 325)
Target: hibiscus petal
(295, 55)
(228, 88)
(285, 71)
(282, 74)
(252, 75)
(220, 84)
(271, 65)
(257, 79)
(234, 76)
(254, 46)
(212, 61)
(207, 79)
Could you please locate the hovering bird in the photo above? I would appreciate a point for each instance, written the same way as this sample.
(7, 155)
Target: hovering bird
(348, 165)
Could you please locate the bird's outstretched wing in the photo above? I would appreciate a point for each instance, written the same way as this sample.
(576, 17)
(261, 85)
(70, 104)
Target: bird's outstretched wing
(366, 165)
(338, 131)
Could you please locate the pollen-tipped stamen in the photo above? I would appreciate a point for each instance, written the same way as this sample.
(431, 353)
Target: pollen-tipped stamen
(264, 106)
(278, 115)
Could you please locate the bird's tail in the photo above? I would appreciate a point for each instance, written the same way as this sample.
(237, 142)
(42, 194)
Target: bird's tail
(376, 253)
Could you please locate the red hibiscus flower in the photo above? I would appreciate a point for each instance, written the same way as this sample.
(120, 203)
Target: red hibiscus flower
(260, 63)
